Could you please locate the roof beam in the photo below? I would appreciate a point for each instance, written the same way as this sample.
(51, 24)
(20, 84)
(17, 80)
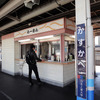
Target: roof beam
(10, 6)
(59, 10)
(98, 24)
(40, 16)
(96, 20)
(36, 12)
(13, 18)
(95, 1)
(72, 3)
(49, 13)
(43, 20)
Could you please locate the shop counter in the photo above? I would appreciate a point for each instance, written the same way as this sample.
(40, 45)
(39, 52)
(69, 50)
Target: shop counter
(55, 62)
(56, 73)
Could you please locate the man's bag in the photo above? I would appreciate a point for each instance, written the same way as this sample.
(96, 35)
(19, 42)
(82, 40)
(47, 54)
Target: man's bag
(27, 58)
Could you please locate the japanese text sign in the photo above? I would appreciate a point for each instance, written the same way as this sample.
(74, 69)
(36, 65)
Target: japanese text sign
(81, 61)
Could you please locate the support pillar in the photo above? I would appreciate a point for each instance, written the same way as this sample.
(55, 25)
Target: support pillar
(90, 54)
(62, 46)
(49, 49)
(83, 17)
(38, 48)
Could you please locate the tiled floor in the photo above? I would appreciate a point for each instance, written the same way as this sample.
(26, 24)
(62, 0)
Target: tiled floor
(17, 88)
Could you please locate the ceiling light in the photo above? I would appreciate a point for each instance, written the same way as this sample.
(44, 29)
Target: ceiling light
(24, 40)
(72, 36)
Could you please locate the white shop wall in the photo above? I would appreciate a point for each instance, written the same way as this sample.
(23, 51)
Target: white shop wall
(17, 55)
(8, 56)
(68, 73)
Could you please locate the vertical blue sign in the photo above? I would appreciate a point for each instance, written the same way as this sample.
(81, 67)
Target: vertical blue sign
(81, 61)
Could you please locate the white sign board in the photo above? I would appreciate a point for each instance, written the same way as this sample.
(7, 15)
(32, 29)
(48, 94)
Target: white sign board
(50, 26)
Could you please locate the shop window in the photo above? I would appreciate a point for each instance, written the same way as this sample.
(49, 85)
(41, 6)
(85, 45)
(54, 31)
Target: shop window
(24, 49)
(71, 51)
(50, 50)
(56, 50)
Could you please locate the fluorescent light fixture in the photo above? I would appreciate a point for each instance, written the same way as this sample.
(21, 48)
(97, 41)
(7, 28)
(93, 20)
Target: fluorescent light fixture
(72, 36)
(44, 37)
(24, 40)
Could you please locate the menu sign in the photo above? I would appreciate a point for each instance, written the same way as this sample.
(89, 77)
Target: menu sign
(81, 61)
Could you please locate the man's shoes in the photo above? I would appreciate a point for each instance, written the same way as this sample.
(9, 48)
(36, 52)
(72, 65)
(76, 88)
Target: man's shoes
(30, 84)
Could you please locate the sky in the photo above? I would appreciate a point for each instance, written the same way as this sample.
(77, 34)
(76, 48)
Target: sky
(96, 40)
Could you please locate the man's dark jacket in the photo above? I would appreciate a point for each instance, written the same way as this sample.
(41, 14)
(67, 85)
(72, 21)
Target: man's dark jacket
(31, 57)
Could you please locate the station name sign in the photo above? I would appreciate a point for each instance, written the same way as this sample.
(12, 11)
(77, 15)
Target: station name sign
(81, 61)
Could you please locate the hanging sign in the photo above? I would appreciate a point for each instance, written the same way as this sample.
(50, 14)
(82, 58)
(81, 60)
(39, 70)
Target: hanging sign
(81, 61)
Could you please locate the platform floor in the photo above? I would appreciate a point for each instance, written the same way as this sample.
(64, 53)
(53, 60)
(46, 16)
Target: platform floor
(17, 88)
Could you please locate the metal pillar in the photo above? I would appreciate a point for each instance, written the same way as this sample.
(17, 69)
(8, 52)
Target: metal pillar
(38, 48)
(83, 16)
(90, 54)
(49, 49)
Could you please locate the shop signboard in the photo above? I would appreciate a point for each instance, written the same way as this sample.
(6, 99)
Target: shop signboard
(46, 27)
(81, 61)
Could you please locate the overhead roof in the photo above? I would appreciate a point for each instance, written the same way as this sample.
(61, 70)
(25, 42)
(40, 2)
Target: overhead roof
(21, 17)
(3, 2)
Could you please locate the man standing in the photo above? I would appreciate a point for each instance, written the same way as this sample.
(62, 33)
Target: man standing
(31, 59)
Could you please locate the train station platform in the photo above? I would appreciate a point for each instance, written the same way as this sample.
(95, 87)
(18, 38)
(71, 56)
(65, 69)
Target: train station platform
(17, 88)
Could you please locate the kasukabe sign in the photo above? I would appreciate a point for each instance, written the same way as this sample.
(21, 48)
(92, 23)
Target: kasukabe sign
(81, 61)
